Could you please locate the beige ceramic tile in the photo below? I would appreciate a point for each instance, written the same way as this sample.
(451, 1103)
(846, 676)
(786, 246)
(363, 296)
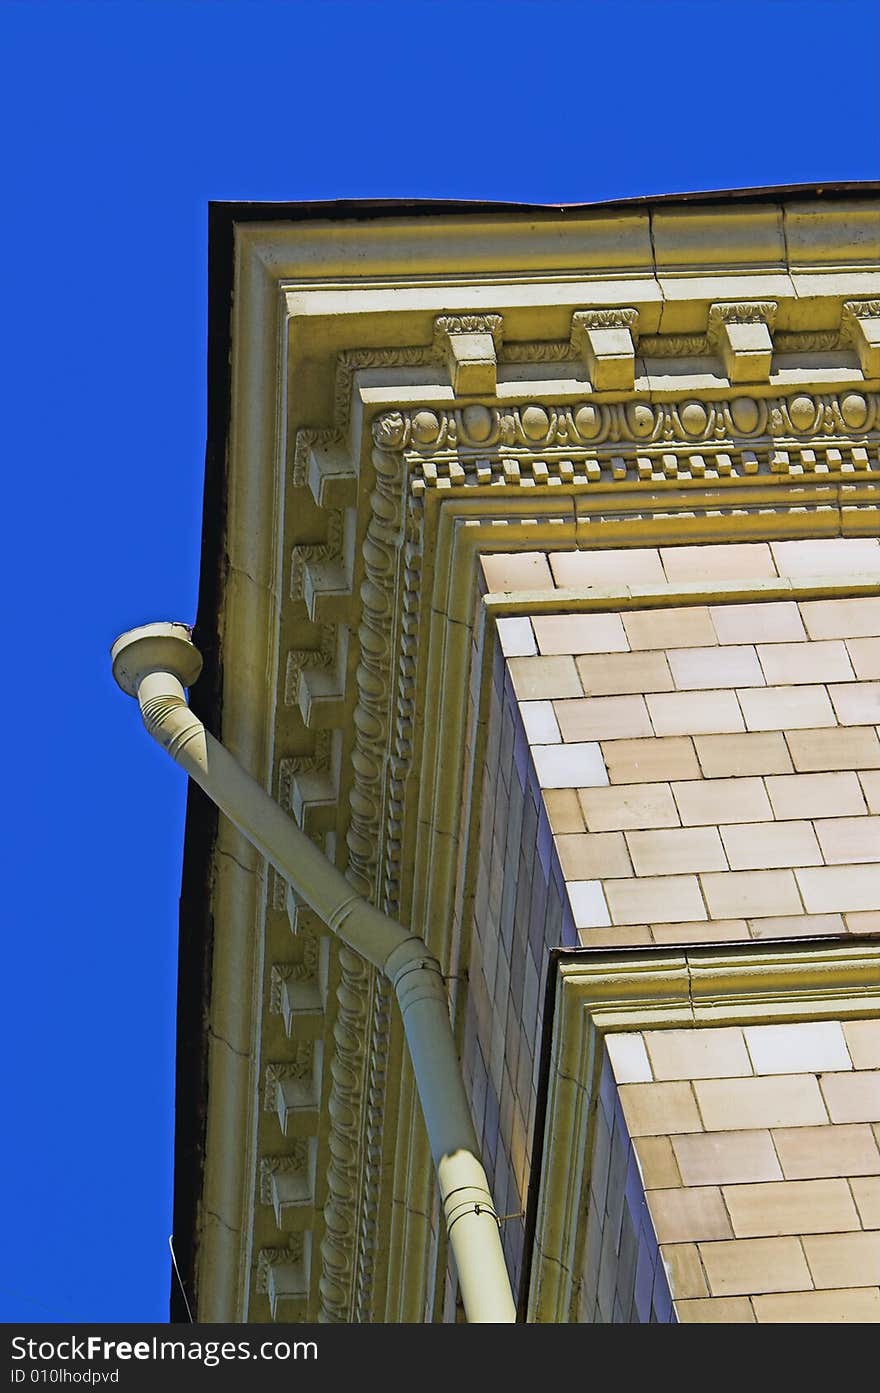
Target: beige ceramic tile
(704, 802)
(575, 570)
(844, 1259)
(613, 674)
(839, 888)
(865, 656)
(698, 1053)
(863, 922)
(805, 662)
(848, 839)
(522, 570)
(676, 850)
(812, 1153)
(729, 1105)
(563, 810)
(857, 618)
(711, 931)
(726, 1158)
(684, 1270)
(852, 1097)
(657, 1162)
(866, 1193)
(853, 748)
(731, 561)
(774, 1208)
(579, 633)
(620, 936)
(537, 679)
(688, 627)
(771, 622)
(797, 1046)
(682, 1215)
(593, 856)
(742, 755)
(855, 1306)
(815, 795)
(650, 761)
(748, 894)
(695, 713)
(603, 718)
(642, 901)
(797, 926)
(659, 1109)
(716, 1310)
(870, 782)
(770, 846)
(743, 1266)
(856, 703)
(701, 669)
(623, 807)
(784, 708)
(863, 1041)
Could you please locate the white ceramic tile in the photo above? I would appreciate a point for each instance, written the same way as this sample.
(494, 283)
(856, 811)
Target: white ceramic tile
(629, 1058)
(540, 722)
(799, 1048)
(570, 766)
(588, 904)
(516, 637)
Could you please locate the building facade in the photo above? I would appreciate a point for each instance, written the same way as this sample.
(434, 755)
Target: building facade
(541, 586)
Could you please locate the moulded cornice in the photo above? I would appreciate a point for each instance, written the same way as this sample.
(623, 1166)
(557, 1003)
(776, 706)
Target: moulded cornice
(600, 993)
(360, 499)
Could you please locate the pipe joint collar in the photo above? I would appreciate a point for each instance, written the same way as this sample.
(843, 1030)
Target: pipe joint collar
(410, 955)
(415, 974)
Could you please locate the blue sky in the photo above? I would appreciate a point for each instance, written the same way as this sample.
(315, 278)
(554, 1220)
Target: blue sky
(121, 121)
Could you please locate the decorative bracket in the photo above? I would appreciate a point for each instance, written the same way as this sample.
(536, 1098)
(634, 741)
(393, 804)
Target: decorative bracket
(293, 1090)
(860, 326)
(283, 1276)
(470, 344)
(741, 333)
(604, 339)
(287, 1183)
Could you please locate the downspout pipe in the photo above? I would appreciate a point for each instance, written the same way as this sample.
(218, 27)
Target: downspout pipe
(155, 663)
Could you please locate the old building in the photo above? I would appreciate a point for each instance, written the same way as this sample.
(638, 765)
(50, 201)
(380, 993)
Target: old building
(541, 586)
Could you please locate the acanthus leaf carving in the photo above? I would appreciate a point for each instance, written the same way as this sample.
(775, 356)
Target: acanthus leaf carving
(612, 318)
(295, 1162)
(446, 324)
(741, 312)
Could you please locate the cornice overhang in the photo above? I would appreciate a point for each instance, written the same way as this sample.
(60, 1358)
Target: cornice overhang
(362, 480)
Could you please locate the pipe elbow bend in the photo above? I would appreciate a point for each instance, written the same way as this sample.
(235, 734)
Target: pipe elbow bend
(169, 719)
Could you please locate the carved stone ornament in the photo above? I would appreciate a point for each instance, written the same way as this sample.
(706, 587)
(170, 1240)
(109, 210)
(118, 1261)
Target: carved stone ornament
(741, 439)
(860, 326)
(605, 340)
(483, 444)
(294, 1163)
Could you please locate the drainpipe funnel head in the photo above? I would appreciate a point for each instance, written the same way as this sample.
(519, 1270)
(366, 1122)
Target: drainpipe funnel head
(155, 648)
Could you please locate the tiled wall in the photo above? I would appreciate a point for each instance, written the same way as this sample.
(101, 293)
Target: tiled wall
(758, 1152)
(520, 912)
(669, 775)
(623, 1277)
(710, 771)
